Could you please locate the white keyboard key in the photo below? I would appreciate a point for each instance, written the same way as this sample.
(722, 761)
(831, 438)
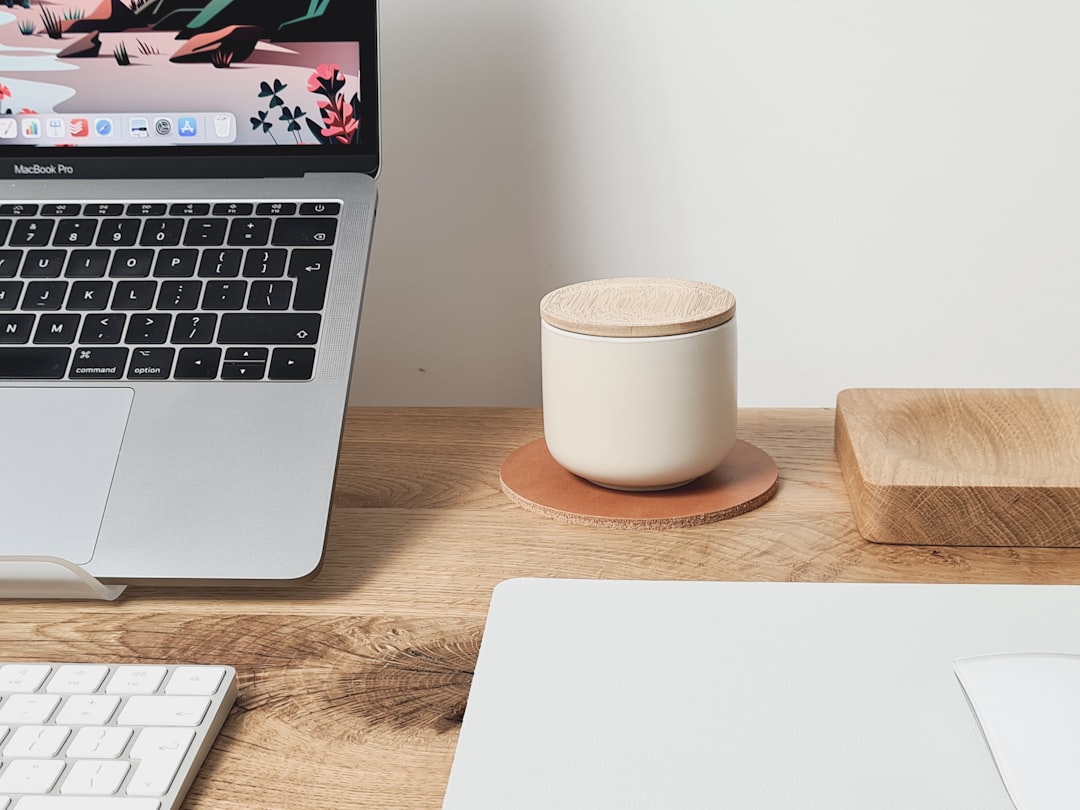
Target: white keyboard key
(23, 677)
(32, 709)
(87, 710)
(128, 680)
(99, 743)
(36, 741)
(75, 679)
(163, 710)
(88, 778)
(87, 803)
(30, 775)
(195, 680)
(159, 752)
(94, 736)
(162, 742)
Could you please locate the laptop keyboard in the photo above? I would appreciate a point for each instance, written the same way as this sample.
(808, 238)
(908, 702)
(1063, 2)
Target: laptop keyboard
(163, 290)
(92, 736)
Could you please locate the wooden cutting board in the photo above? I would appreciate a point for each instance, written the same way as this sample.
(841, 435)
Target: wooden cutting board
(962, 467)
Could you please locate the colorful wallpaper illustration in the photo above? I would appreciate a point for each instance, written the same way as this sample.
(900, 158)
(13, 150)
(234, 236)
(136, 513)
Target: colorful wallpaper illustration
(160, 72)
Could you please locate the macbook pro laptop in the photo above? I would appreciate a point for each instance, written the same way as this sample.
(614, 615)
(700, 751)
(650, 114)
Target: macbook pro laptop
(187, 197)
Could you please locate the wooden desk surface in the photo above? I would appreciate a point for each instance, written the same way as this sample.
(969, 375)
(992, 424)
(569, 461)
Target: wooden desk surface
(352, 686)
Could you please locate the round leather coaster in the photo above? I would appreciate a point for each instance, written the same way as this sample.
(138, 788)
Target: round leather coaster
(533, 480)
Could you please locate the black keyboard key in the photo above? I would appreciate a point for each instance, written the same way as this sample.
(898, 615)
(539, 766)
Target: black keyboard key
(118, 232)
(232, 209)
(9, 262)
(270, 295)
(10, 291)
(162, 232)
(98, 363)
(247, 354)
(5, 226)
(104, 209)
(61, 210)
(179, 295)
(46, 295)
(197, 364)
(225, 294)
(132, 263)
(87, 263)
(324, 209)
(221, 263)
(89, 295)
(33, 362)
(176, 262)
(275, 209)
(292, 364)
(107, 327)
(195, 327)
(18, 210)
(265, 263)
(150, 328)
(15, 327)
(269, 328)
(134, 295)
(244, 364)
(75, 232)
(308, 232)
(249, 231)
(311, 269)
(206, 232)
(146, 209)
(243, 371)
(57, 328)
(31, 232)
(151, 363)
(189, 209)
(44, 263)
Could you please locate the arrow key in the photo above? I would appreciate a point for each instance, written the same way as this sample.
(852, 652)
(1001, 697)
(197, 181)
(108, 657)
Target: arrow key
(245, 363)
(242, 371)
(197, 363)
(292, 364)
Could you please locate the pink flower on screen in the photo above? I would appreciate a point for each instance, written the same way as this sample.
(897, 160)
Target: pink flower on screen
(339, 121)
(5, 91)
(323, 74)
(343, 132)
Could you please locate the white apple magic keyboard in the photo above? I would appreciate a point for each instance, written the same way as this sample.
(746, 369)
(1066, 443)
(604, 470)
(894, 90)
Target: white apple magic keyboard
(106, 736)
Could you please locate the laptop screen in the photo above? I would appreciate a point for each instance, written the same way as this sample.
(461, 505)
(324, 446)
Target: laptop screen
(239, 80)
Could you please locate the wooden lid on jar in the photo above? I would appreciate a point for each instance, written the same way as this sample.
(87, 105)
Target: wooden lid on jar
(637, 307)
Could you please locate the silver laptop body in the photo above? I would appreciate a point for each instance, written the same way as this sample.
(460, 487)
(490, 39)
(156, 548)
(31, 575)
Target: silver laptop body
(187, 428)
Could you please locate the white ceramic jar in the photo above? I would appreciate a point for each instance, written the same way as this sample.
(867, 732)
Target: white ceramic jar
(639, 380)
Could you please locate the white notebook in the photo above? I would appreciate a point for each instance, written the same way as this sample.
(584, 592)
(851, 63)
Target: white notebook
(607, 694)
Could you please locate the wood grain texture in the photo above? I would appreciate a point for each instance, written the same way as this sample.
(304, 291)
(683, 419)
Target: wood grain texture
(351, 685)
(962, 466)
(637, 307)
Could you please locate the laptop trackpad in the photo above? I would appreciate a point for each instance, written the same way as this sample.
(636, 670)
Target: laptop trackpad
(59, 449)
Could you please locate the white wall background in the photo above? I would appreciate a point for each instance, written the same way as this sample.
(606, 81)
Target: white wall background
(890, 189)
